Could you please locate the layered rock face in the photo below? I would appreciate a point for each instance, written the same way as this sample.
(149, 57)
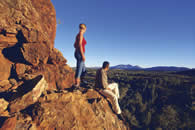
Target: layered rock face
(35, 81)
(35, 19)
(27, 33)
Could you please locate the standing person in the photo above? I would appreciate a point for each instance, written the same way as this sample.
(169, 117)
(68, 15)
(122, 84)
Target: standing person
(79, 46)
(111, 91)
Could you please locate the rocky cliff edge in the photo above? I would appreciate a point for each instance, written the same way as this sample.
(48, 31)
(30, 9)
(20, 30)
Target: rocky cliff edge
(35, 80)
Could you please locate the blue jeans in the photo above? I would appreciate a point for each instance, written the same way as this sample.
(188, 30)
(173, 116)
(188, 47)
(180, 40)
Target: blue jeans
(80, 68)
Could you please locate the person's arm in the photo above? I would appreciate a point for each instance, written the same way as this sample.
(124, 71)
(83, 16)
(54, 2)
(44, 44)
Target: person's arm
(104, 80)
(81, 47)
(75, 43)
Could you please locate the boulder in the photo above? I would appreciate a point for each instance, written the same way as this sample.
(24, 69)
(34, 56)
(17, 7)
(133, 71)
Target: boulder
(5, 67)
(9, 124)
(58, 76)
(28, 94)
(92, 94)
(64, 77)
(3, 105)
(7, 41)
(21, 68)
(4, 85)
(56, 57)
(35, 53)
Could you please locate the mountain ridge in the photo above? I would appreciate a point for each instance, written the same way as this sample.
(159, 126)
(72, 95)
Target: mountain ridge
(155, 68)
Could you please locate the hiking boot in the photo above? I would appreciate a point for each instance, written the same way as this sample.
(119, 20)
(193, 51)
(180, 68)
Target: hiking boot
(83, 82)
(75, 87)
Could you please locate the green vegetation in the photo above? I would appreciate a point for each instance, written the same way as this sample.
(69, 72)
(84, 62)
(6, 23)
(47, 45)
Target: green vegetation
(152, 100)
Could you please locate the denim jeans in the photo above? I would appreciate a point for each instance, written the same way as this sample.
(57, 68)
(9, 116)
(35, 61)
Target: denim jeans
(80, 68)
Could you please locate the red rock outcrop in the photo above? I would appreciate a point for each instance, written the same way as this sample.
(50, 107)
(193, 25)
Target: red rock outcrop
(9, 124)
(29, 64)
(5, 67)
(3, 105)
(36, 19)
(35, 53)
(27, 34)
(68, 110)
(36, 86)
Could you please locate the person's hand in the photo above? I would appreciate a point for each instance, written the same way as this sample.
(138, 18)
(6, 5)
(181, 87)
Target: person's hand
(83, 58)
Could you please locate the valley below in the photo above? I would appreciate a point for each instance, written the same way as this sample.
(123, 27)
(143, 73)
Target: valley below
(153, 99)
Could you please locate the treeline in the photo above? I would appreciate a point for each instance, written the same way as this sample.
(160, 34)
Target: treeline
(154, 100)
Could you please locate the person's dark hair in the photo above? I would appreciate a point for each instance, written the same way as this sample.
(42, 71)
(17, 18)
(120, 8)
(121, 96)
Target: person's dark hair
(82, 26)
(105, 64)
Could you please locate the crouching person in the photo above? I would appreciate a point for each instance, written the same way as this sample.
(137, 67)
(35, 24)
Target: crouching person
(110, 91)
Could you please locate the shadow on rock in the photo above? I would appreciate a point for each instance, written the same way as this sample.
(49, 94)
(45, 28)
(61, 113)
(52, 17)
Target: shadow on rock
(13, 53)
(2, 120)
(21, 90)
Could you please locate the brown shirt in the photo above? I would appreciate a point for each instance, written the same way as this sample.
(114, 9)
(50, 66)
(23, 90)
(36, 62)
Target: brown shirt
(101, 79)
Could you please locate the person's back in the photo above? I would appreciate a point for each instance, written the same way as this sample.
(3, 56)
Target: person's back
(101, 81)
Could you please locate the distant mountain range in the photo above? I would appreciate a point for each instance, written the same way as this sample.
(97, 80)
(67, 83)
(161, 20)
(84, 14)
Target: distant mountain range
(126, 67)
(157, 68)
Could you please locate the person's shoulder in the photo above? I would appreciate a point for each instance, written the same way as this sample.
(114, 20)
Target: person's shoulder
(79, 35)
(102, 70)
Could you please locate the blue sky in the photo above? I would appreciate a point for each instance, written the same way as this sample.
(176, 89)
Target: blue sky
(137, 32)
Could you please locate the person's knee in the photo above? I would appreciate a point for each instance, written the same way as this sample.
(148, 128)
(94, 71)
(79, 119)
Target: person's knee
(115, 84)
